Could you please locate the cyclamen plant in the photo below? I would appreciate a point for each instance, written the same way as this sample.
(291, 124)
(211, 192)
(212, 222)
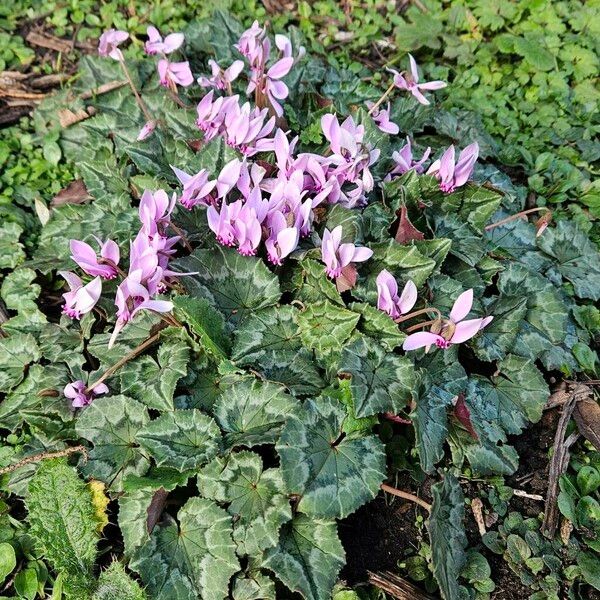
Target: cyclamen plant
(289, 284)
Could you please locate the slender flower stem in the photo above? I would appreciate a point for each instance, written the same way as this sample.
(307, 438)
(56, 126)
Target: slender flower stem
(42, 456)
(420, 325)
(515, 216)
(138, 98)
(416, 313)
(137, 350)
(180, 233)
(406, 495)
(382, 99)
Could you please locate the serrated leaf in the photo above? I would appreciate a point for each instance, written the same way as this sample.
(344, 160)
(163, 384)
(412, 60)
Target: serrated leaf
(205, 322)
(308, 558)
(181, 439)
(473, 204)
(16, 353)
(447, 536)
(504, 404)
(444, 379)
(534, 53)
(153, 381)
(381, 381)
(251, 412)
(324, 327)
(310, 285)
(192, 560)
(253, 586)
(258, 504)
(234, 284)
(333, 474)
(269, 341)
(377, 325)
(114, 583)
(20, 293)
(11, 250)
(62, 522)
(578, 259)
(111, 423)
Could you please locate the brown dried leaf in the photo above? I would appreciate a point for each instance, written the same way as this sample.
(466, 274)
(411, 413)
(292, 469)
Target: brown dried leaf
(156, 507)
(347, 280)
(67, 117)
(74, 193)
(587, 417)
(406, 231)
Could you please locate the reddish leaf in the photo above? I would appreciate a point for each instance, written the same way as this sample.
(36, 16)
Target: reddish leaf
(461, 412)
(406, 230)
(347, 280)
(74, 193)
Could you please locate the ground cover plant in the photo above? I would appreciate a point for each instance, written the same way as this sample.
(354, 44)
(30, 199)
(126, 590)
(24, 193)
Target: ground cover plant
(246, 302)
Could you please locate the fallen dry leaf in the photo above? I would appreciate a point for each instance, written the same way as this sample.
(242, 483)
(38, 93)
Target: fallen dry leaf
(74, 193)
(406, 231)
(587, 417)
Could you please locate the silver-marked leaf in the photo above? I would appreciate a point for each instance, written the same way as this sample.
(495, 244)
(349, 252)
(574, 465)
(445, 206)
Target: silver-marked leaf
(333, 473)
(578, 258)
(308, 558)
(378, 326)
(444, 379)
(310, 284)
(256, 496)
(381, 381)
(404, 262)
(473, 204)
(111, 423)
(324, 327)
(16, 353)
(254, 585)
(133, 518)
(38, 399)
(11, 250)
(205, 322)
(153, 381)
(193, 560)
(251, 412)
(236, 285)
(181, 439)
(504, 404)
(269, 341)
(20, 293)
(447, 535)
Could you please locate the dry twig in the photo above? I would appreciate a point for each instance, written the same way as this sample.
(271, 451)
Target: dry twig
(397, 587)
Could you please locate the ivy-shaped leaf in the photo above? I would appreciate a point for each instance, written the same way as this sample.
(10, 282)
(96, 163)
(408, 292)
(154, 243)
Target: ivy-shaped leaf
(269, 341)
(193, 560)
(111, 423)
(308, 558)
(473, 204)
(181, 439)
(381, 381)
(251, 412)
(333, 473)
(205, 322)
(578, 259)
(325, 327)
(236, 285)
(153, 382)
(256, 499)
(377, 325)
(16, 353)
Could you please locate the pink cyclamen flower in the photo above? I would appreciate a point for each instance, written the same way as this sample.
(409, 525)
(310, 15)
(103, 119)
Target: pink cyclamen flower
(85, 256)
(452, 174)
(76, 392)
(156, 44)
(406, 162)
(382, 119)
(109, 40)
(410, 82)
(146, 131)
(155, 211)
(196, 188)
(221, 79)
(80, 299)
(387, 295)
(282, 240)
(454, 330)
(336, 255)
(173, 74)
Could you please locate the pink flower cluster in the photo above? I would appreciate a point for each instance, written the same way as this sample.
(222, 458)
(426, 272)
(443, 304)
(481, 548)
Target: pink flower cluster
(171, 74)
(444, 332)
(148, 274)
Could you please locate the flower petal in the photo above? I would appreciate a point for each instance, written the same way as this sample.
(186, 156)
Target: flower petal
(462, 306)
(420, 340)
